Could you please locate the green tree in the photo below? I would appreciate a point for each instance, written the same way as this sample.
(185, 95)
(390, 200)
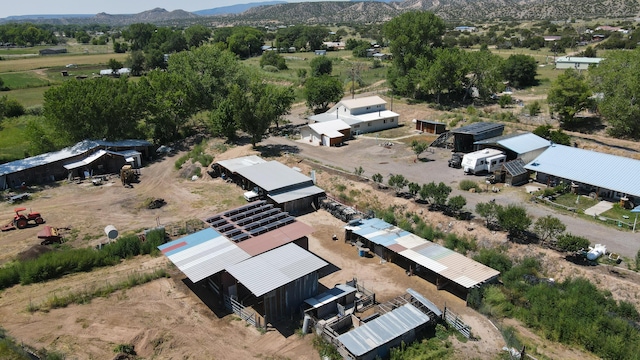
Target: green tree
(456, 203)
(571, 243)
(114, 65)
(548, 228)
(569, 94)
(377, 178)
(483, 74)
(135, 61)
(489, 211)
(314, 36)
(321, 91)
(321, 65)
(197, 35)
(359, 171)
(494, 259)
(435, 194)
(274, 59)
(556, 136)
(139, 35)
(444, 74)
(616, 78)
(414, 188)
(222, 120)
(418, 147)
(520, 70)
(590, 52)
(245, 41)
(398, 182)
(514, 219)
(154, 59)
(412, 35)
(82, 37)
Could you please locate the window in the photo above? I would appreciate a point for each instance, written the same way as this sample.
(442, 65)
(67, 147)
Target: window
(384, 121)
(368, 107)
(356, 126)
(368, 124)
(392, 119)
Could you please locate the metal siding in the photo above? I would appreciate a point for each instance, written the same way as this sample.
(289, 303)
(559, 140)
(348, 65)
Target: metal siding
(296, 194)
(589, 167)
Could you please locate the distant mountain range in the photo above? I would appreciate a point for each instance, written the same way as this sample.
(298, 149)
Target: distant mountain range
(280, 12)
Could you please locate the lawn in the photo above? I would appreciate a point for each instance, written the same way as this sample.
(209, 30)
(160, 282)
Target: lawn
(27, 97)
(23, 80)
(571, 200)
(43, 62)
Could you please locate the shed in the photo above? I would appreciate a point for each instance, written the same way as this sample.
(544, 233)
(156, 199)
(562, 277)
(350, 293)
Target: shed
(329, 133)
(326, 304)
(282, 278)
(609, 176)
(436, 263)
(430, 126)
(576, 62)
(465, 137)
(321, 52)
(515, 173)
(374, 339)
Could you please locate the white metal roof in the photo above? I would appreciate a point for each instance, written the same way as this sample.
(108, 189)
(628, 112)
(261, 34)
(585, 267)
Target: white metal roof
(339, 291)
(383, 330)
(590, 167)
(273, 269)
(203, 254)
(296, 194)
(97, 155)
(235, 164)
(330, 128)
(518, 143)
(578, 59)
(273, 175)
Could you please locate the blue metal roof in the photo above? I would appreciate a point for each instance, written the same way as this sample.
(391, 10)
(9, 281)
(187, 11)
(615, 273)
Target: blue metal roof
(607, 171)
(383, 330)
(380, 232)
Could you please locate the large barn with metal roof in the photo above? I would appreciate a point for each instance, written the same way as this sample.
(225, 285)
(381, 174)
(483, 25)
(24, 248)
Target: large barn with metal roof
(288, 189)
(525, 146)
(608, 176)
(89, 156)
(254, 255)
(444, 267)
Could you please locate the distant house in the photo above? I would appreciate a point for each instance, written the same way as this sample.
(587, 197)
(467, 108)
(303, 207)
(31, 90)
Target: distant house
(364, 115)
(53, 51)
(576, 62)
(334, 45)
(466, 28)
(552, 38)
(321, 52)
(381, 56)
(109, 72)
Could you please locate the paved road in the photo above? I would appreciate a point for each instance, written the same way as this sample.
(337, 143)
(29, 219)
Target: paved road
(399, 159)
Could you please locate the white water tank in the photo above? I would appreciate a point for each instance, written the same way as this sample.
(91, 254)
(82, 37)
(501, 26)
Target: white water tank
(111, 232)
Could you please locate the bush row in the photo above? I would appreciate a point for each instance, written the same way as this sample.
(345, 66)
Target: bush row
(55, 264)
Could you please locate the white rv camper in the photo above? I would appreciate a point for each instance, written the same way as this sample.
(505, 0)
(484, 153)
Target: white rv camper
(485, 160)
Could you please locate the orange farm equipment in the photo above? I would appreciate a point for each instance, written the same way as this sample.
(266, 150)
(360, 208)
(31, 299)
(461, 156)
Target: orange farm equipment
(21, 220)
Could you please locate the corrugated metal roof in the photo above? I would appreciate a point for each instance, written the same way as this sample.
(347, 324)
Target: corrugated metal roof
(203, 254)
(477, 128)
(590, 167)
(330, 128)
(518, 143)
(97, 155)
(66, 153)
(382, 330)
(273, 175)
(301, 193)
(273, 269)
(577, 59)
(424, 301)
(275, 238)
(235, 164)
(338, 291)
(445, 262)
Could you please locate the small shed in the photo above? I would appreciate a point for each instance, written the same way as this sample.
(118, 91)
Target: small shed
(515, 173)
(321, 52)
(375, 339)
(326, 304)
(430, 126)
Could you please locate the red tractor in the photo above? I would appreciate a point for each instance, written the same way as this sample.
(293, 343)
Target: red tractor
(21, 221)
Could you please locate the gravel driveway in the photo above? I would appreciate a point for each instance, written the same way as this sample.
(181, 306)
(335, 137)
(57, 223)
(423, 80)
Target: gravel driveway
(399, 159)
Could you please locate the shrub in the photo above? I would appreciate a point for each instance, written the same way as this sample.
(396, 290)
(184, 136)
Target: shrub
(466, 185)
(495, 259)
(570, 243)
(270, 68)
(460, 244)
(128, 349)
(505, 101)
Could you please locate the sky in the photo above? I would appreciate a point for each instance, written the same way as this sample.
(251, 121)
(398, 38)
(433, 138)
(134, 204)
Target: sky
(55, 7)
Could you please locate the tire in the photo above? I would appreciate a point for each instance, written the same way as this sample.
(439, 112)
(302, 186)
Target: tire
(39, 220)
(21, 223)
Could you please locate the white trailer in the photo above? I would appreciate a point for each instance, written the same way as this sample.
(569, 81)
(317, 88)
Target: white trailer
(485, 160)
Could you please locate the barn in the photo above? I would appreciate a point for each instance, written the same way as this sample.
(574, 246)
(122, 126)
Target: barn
(86, 158)
(430, 126)
(525, 146)
(255, 256)
(286, 188)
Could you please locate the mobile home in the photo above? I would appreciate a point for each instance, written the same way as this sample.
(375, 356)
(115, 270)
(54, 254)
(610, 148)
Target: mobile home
(485, 160)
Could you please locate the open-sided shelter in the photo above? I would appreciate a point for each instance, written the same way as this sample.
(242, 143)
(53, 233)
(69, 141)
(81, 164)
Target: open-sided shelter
(443, 266)
(465, 137)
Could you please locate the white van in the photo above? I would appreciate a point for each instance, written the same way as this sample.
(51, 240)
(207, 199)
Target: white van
(485, 160)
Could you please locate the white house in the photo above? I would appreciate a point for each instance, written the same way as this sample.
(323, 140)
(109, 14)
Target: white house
(367, 114)
(328, 133)
(575, 62)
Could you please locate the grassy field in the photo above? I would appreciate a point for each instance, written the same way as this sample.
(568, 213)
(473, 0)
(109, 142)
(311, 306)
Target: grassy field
(12, 139)
(23, 80)
(44, 62)
(27, 97)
